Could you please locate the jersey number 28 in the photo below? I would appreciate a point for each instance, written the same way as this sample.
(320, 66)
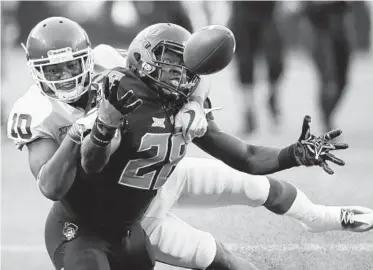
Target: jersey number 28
(152, 172)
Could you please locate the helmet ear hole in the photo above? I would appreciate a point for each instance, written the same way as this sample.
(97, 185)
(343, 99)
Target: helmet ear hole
(137, 56)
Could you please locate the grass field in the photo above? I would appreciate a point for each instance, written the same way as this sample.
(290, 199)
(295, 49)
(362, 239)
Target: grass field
(270, 241)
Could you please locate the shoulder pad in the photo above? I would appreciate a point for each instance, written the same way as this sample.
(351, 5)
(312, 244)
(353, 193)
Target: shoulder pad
(107, 57)
(25, 122)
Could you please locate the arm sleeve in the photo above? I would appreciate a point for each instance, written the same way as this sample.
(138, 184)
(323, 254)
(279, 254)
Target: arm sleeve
(27, 123)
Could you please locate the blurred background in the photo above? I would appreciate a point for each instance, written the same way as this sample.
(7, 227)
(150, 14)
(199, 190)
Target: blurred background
(292, 58)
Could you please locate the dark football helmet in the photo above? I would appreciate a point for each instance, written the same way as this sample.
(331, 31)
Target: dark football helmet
(58, 40)
(149, 55)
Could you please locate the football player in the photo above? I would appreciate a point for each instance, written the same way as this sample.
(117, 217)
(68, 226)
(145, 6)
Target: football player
(331, 52)
(255, 28)
(155, 81)
(60, 58)
(40, 120)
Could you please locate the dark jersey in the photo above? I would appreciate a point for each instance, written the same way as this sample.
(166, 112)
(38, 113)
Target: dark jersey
(147, 155)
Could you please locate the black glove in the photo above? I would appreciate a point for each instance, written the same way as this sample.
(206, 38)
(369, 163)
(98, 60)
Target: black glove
(113, 107)
(311, 150)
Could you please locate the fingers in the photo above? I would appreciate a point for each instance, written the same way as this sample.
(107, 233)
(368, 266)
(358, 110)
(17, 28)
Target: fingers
(334, 159)
(134, 105)
(129, 102)
(114, 91)
(305, 128)
(126, 97)
(106, 87)
(338, 146)
(326, 168)
(332, 134)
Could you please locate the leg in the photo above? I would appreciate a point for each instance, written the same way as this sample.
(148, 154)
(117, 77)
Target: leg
(134, 250)
(177, 243)
(200, 183)
(247, 40)
(274, 55)
(205, 182)
(342, 54)
(85, 253)
(323, 58)
(70, 248)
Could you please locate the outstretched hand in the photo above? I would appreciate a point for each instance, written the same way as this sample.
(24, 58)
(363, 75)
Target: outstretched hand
(312, 150)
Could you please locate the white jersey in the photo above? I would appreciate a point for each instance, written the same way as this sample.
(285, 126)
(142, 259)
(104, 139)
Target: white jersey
(35, 115)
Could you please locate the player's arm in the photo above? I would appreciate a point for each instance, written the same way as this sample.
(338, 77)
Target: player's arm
(96, 148)
(53, 166)
(285, 199)
(260, 159)
(248, 158)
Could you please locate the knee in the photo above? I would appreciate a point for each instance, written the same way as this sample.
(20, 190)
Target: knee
(88, 259)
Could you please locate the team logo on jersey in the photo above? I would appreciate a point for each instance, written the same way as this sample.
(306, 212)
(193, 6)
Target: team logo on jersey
(69, 230)
(158, 122)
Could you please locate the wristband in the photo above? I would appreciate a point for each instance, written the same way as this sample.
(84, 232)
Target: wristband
(286, 157)
(101, 134)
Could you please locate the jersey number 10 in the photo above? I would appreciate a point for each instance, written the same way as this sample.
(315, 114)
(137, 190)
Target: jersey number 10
(21, 126)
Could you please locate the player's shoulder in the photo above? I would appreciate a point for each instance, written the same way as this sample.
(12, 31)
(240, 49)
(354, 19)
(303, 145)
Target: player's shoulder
(28, 113)
(35, 104)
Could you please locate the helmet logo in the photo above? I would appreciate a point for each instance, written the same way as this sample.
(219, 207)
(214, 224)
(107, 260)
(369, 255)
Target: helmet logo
(146, 44)
(60, 55)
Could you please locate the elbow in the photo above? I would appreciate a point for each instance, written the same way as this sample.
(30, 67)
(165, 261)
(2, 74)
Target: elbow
(250, 167)
(91, 168)
(50, 192)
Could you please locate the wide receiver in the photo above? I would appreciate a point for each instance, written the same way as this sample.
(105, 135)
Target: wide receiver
(55, 162)
(143, 162)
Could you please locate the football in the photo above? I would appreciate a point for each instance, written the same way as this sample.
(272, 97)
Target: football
(209, 49)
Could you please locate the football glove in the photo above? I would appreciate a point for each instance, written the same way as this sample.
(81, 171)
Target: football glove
(311, 150)
(191, 121)
(113, 108)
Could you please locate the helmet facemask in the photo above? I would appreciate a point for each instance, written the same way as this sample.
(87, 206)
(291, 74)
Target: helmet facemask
(67, 90)
(168, 72)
